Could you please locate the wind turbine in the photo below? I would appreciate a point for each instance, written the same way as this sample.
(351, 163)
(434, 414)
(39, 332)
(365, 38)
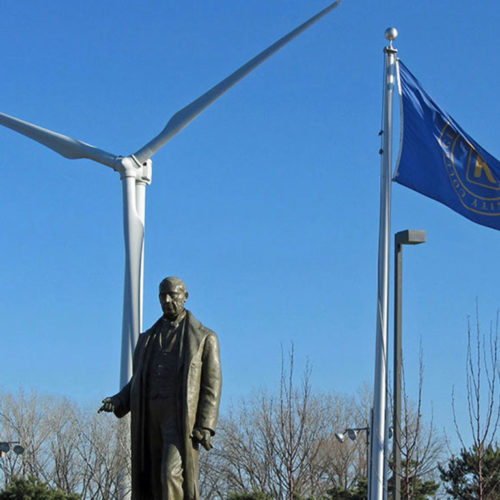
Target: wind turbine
(135, 172)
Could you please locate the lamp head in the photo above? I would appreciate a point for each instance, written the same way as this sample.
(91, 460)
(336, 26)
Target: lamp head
(18, 449)
(352, 434)
(410, 237)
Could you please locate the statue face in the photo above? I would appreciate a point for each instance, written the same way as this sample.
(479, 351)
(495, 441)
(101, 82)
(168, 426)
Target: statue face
(172, 298)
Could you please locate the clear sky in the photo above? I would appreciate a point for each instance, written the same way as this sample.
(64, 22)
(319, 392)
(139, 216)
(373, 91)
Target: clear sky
(267, 204)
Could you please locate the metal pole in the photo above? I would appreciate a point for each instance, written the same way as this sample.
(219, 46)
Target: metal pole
(386, 443)
(134, 177)
(133, 245)
(370, 441)
(407, 237)
(380, 382)
(140, 200)
(143, 180)
(367, 442)
(396, 419)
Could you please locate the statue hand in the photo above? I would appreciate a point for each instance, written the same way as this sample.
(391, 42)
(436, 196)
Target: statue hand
(202, 436)
(108, 405)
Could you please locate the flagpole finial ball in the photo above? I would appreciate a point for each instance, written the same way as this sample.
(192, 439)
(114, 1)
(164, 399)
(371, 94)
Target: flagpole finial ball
(391, 34)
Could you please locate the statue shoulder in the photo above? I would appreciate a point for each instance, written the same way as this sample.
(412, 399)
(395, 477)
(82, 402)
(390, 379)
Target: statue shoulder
(197, 326)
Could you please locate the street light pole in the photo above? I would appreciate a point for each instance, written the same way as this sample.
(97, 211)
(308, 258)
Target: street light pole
(407, 237)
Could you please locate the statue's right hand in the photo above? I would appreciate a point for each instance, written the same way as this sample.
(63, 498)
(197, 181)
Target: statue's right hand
(107, 405)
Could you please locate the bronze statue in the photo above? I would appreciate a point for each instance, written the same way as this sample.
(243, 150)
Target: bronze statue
(173, 397)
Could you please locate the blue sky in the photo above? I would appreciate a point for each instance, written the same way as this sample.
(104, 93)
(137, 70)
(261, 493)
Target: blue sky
(267, 204)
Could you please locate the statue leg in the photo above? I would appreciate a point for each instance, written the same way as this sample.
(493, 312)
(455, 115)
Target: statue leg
(172, 471)
(154, 450)
(165, 445)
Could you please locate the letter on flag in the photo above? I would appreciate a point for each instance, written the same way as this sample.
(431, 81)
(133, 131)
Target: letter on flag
(439, 160)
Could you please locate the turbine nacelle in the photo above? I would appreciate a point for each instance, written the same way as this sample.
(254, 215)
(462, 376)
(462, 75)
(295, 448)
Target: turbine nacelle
(129, 166)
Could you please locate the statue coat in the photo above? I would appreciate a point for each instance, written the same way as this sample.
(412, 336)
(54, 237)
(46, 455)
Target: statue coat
(197, 399)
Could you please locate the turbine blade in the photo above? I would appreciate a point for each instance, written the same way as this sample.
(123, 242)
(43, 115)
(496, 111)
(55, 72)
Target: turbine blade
(62, 144)
(191, 111)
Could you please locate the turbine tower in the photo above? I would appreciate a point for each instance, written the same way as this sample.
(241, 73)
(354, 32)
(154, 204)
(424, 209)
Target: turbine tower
(135, 172)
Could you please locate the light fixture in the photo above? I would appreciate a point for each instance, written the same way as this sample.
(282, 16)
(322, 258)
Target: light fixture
(5, 447)
(352, 433)
(18, 449)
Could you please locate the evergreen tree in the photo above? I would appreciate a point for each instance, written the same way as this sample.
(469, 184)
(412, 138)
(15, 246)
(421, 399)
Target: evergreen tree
(359, 492)
(414, 487)
(461, 474)
(33, 489)
(255, 495)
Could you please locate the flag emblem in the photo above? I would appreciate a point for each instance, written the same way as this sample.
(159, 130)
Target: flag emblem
(470, 176)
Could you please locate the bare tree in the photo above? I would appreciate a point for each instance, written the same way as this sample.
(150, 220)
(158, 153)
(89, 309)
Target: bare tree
(342, 465)
(65, 446)
(283, 444)
(421, 445)
(294, 426)
(483, 403)
(104, 453)
(24, 418)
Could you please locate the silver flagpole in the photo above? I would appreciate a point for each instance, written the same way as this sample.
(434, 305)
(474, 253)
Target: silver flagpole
(378, 431)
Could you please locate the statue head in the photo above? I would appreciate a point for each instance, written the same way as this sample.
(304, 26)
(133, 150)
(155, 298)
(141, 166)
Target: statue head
(173, 294)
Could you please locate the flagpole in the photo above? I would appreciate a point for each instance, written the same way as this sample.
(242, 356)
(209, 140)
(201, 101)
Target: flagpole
(378, 431)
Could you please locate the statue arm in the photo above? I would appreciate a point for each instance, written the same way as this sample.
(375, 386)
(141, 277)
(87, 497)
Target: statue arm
(210, 385)
(119, 404)
(121, 401)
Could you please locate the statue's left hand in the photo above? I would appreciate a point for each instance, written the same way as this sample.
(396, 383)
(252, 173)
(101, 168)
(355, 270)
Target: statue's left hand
(202, 436)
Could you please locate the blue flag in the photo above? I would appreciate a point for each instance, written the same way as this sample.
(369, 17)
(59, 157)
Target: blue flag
(439, 160)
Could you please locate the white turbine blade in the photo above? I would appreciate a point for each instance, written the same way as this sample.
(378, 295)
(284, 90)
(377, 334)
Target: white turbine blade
(62, 144)
(191, 111)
